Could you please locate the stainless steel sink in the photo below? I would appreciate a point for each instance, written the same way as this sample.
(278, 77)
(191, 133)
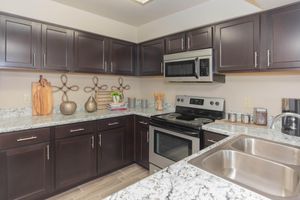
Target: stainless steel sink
(270, 150)
(236, 162)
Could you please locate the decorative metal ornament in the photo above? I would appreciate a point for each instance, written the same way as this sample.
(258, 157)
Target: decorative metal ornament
(121, 87)
(96, 87)
(91, 104)
(66, 107)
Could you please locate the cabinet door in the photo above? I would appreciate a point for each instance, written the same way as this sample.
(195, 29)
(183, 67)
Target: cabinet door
(129, 140)
(19, 43)
(90, 53)
(237, 44)
(281, 38)
(111, 150)
(122, 57)
(142, 141)
(175, 43)
(25, 172)
(57, 48)
(199, 39)
(75, 160)
(152, 57)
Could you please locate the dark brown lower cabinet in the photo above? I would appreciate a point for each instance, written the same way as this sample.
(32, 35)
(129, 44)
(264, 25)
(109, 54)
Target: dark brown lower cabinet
(25, 172)
(75, 160)
(111, 150)
(210, 138)
(142, 141)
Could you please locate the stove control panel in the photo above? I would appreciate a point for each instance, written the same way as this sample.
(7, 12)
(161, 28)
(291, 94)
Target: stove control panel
(207, 103)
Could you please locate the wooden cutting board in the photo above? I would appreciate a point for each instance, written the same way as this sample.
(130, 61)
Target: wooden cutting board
(42, 98)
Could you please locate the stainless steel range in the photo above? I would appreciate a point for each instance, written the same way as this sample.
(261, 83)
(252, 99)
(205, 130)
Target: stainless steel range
(174, 136)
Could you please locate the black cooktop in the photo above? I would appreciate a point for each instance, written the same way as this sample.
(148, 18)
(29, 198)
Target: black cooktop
(181, 119)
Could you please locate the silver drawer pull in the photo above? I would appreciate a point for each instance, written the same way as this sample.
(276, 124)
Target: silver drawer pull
(26, 139)
(141, 122)
(147, 136)
(212, 141)
(113, 123)
(76, 130)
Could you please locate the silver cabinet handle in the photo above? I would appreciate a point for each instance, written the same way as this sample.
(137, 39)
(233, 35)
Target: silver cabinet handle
(33, 59)
(255, 59)
(105, 66)
(212, 141)
(188, 42)
(144, 123)
(111, 67)
(182, 43)
(48, 152)
(113, 123)
(147, 136)
(93, 142)
(26, 139)
(44, 59)
(100, 140)
(76, 130)
(268, 57)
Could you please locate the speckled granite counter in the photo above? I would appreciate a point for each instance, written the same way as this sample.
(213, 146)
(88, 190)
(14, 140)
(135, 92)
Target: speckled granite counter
(184, 181)
(28, 122)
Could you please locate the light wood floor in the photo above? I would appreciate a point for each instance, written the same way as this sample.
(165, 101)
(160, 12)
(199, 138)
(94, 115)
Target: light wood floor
(104, 186)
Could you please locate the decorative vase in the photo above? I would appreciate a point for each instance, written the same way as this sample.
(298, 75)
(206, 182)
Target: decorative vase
(68, 107)
(116, 99)
(91, 104)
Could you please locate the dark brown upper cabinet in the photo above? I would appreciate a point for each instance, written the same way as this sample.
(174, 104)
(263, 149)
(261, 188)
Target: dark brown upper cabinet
(91, 53)
(237, 44)
(122, 57)
(57, 48)
(199, 39)
(151, 57)
(19, 43)
(175, 43)
(281, 38)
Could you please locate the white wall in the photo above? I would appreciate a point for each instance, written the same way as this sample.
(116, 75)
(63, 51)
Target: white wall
(209, 12)
(50, 11)
(242, 92)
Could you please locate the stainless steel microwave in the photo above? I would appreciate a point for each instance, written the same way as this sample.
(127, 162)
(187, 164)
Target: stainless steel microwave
(191, 66)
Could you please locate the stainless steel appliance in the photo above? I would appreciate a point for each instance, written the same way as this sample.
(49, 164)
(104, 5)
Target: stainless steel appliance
(174, 136)
(290, 124)
(191, 66)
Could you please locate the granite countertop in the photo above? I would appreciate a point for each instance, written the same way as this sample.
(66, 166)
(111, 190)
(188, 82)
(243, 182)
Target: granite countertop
(185, 181)
(18, 123)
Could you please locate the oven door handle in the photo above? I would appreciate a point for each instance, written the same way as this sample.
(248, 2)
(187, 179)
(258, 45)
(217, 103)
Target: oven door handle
(197, 68)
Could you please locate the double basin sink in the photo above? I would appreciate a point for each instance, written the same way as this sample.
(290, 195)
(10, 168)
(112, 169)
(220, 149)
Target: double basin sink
(269, 168)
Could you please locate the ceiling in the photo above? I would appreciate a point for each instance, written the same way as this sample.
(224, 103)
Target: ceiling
(130, 12)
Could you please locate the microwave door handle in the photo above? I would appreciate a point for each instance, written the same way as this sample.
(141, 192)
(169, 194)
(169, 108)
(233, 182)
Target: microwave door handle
(197, 68)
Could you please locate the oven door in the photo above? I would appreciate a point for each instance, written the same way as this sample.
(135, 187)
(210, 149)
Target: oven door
(182, 69)
(167, 147)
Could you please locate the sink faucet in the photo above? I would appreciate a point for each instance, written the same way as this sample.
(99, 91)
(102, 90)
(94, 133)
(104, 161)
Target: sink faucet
(286, 114)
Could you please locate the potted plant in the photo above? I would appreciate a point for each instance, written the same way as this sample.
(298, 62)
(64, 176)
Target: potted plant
(116, 96)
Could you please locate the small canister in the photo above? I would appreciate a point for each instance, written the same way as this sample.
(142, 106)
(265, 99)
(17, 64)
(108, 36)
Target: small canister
(245, 118)
(260, 116)
(232, 117)
(131, 102)
(144, 103)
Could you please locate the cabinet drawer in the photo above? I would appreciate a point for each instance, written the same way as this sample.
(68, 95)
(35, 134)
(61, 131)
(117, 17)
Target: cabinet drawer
(27, 137)
(111, 123)
(74, 129)
(211, 138)
(142, 120)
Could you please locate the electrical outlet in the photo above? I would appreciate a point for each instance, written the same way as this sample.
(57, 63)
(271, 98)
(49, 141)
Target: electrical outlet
(26, 98)
(248, 104)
